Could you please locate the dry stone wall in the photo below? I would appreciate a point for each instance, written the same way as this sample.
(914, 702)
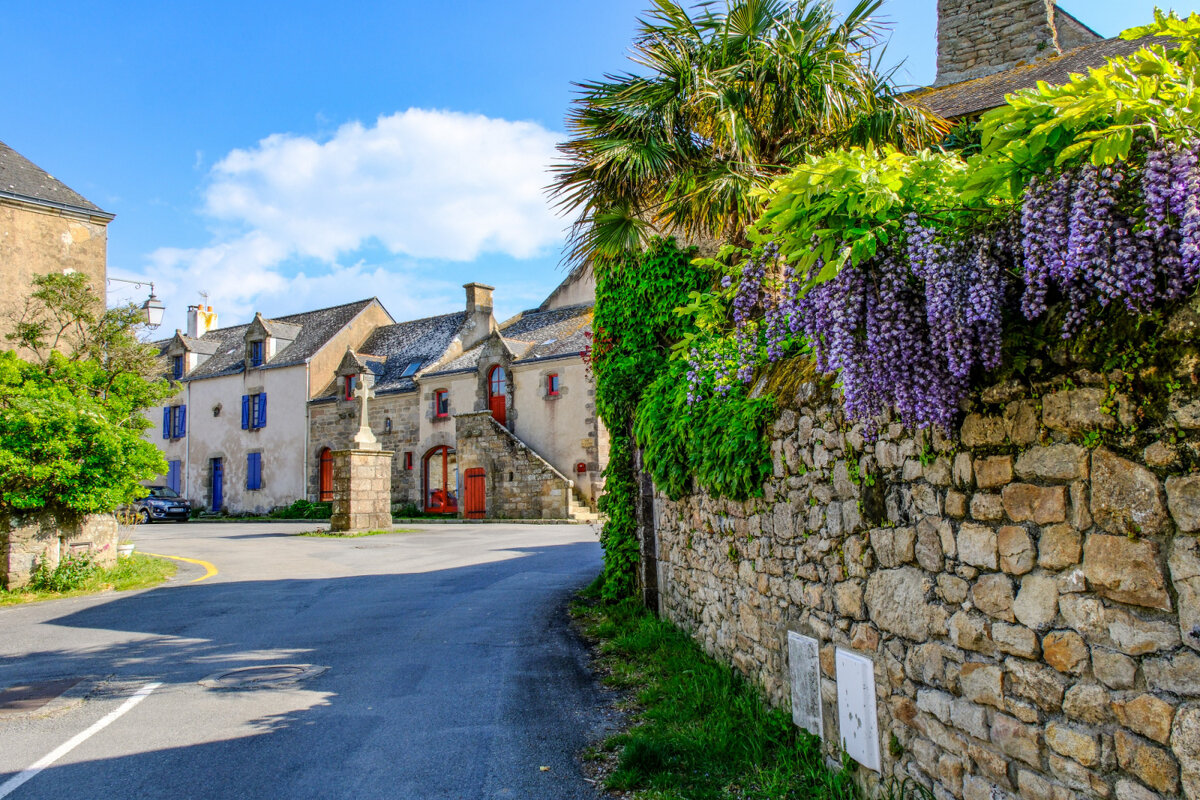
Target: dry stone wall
(28, 541)
(1030, 600)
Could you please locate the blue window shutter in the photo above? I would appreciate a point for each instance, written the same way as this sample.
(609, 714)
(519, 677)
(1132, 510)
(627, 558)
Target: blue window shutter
(245, 412)
(166, 422)
(182, 421)
(262, 410)
(254, 471)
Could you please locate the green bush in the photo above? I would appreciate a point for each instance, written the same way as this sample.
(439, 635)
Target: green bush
(72, 413)
(72, 572)
(303, 509)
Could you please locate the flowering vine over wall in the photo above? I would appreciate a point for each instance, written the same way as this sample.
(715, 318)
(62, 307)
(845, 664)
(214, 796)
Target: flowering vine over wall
(905, 272)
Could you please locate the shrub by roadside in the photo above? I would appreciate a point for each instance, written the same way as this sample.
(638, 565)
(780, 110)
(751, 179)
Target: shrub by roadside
(697, 729)
(77, 575)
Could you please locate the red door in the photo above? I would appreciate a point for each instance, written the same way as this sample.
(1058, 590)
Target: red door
(326, 476)
(498, 395)
(476, 501)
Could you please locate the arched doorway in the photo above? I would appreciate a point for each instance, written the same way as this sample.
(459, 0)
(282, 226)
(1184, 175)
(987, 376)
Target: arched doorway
(325, 476)
(498, 394)
(441, 481)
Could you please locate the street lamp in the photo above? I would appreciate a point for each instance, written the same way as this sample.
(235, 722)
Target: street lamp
(153, 308)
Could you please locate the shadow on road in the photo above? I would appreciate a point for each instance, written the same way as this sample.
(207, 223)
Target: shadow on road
(455, 683)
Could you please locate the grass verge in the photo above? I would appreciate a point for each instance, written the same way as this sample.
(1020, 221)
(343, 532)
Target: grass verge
(697, 729)
(328, 535)
(136, 572)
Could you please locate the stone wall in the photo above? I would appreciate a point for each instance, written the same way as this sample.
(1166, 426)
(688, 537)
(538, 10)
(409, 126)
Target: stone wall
(981, 37)
(361, 490)
(36, 240)
(333, 424)
(519, 484)
(1030, 599)
(27, 541)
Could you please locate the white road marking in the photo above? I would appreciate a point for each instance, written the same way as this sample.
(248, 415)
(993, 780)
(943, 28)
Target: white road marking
(20, 778)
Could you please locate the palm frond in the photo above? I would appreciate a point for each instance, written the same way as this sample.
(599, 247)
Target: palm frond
(723, 101)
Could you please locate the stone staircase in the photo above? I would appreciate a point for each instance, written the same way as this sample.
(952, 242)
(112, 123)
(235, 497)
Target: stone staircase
(579, 510)
(534, 489)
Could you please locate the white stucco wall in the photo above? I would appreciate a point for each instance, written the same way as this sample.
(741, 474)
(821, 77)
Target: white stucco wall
(281, 441)
(435, 432)
(561, 430)
(172, 449)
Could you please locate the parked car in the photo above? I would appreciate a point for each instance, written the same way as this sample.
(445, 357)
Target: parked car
(163, 502)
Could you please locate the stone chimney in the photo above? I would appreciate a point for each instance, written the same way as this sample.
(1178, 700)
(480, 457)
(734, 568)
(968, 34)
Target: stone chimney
(200, 320)
(982, 37)
(480, 323)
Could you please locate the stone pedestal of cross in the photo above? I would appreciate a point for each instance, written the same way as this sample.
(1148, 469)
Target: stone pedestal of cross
(364, 439)
(362, 478)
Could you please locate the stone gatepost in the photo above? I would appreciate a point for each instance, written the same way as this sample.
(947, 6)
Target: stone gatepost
(362, 478)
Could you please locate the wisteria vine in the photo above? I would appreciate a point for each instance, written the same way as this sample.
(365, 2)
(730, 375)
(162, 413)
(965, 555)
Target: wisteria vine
(908, 328)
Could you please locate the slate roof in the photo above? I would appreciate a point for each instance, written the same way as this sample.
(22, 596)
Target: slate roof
(982, 94)
(313, 330)
(22, 179)
(205, 346)
(391, 349)
(280, 330)
(534, 335)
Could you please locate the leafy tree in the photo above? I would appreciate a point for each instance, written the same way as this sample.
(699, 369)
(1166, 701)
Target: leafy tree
(724, 103)
(71, 414)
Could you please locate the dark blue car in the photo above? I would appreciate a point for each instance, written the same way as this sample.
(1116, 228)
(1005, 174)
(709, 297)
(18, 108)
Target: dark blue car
(163, 502)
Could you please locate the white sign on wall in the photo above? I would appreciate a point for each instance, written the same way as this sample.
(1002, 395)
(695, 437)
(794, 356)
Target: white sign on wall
(857, 718)
(804, 666)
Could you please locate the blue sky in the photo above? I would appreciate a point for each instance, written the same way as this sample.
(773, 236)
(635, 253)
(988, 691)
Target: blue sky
(289, 155)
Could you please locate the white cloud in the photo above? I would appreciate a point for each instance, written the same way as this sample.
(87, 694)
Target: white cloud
(422, 184)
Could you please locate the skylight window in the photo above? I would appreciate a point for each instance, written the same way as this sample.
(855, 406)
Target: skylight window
(411, 369)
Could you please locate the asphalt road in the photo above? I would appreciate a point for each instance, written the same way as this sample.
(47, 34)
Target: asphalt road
(452, 671)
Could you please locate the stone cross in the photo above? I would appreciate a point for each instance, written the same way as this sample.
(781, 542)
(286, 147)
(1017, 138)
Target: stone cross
(364, 439)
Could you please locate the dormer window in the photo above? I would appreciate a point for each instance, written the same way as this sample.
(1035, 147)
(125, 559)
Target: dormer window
(349, 383)
(177, 367)
(257, 349)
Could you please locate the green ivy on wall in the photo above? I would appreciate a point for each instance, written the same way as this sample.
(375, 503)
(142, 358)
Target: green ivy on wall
(641, 394)
(633, 329)
(718, 444)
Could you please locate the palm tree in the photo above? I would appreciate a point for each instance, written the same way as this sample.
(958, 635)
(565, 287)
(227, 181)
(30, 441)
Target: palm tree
(724, 102)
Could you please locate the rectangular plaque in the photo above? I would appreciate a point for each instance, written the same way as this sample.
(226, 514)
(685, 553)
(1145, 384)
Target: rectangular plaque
(857, 718)
(804, 665)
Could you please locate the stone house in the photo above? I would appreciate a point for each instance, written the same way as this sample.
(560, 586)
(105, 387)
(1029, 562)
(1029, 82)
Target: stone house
(501, 412)
(990, 48)
(262, 406)
(235, 435)
(45, 226)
